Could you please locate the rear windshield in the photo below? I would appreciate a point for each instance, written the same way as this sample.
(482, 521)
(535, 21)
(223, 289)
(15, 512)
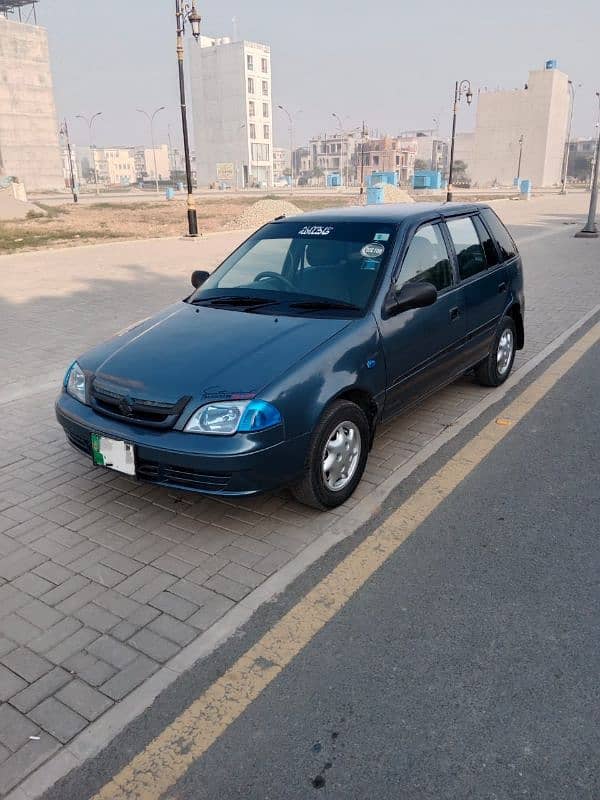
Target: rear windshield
(291, 261)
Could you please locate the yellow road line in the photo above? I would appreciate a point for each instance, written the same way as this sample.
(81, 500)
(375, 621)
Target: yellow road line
(168, 757)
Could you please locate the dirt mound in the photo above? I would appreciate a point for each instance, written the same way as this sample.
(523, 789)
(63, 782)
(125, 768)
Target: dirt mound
(393, 194)
(264, 211)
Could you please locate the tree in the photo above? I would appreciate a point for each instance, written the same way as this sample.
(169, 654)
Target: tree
(460, 170)
(421, 164)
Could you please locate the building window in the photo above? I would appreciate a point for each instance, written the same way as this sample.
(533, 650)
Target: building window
(252, 108)
(375, 161)
(266, 132)
(252, 130)
(264, 65)
(265, 88)
(250, 62)
(397, 161)
(250, 85)
(266, 110)
(260, 152)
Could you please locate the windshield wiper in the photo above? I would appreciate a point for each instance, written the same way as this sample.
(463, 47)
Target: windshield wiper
(235, 300)
(317, 305)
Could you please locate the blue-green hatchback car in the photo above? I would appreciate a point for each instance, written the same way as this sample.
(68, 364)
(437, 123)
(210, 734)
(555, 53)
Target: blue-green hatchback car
(278, 368)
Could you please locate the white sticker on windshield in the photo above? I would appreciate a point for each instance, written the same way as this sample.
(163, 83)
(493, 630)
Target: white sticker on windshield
(382, 237)
(373, 250)
(315, 230)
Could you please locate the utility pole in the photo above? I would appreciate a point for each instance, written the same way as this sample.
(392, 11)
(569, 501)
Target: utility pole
(181, 12)
(521, 140)
(64, 131)
(363, 135)
(341, 127)
(590, 231)
(291, 122)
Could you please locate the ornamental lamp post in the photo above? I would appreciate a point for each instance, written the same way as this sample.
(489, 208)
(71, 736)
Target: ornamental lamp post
(460, 88)
(185, 12)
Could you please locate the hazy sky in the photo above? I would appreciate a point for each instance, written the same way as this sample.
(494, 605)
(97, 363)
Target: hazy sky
(390, 62)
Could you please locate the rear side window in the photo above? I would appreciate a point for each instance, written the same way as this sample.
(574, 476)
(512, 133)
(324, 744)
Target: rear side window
(489, 248)
(506, 245)
(427, 259)
(469, 251)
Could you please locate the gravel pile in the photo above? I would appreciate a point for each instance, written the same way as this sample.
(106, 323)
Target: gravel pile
(392, 194)
(264, 211)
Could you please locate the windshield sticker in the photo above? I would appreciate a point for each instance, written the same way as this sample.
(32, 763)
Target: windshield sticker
(315, 230)
(369, 264)
(382, 237)
(373, 250)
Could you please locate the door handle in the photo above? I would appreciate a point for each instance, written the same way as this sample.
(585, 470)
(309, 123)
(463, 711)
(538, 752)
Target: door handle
(454, 313)
(501, 287)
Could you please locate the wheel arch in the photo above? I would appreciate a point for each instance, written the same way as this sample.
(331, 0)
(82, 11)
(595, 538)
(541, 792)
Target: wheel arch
(514, 311)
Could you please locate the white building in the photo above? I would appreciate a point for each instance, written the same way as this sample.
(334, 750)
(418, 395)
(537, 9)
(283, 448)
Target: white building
(539, 113)
(29, 146)
(146, 157)
(281, 162)
(232, 111)
(114, 166)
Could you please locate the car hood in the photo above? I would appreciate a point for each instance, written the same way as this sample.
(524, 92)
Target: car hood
(206, 352)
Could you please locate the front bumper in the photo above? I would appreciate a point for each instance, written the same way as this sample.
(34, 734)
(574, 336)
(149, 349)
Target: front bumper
(241, 464)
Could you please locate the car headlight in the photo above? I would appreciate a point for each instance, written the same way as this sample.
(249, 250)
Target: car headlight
(74, 382)
(233, 416)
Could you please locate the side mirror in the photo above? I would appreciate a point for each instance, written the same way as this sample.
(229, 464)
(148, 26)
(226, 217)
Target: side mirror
(412, 295)
(198, 277)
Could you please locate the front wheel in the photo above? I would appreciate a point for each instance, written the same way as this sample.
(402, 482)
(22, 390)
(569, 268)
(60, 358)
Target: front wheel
(496, 367)
(336, 457)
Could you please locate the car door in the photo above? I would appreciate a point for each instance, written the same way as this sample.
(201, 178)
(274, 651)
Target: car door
(422, 346)
(483, 280)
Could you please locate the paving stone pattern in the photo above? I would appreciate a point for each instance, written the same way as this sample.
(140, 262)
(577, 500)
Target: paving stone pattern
(103, 579)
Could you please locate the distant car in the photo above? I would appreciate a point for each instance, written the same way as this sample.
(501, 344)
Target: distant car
(278, 368)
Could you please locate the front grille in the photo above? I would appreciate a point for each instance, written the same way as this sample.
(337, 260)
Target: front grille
(183, 476)
(119, 405)
(80, 440)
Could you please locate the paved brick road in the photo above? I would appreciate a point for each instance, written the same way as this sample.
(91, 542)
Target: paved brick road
(103, 580)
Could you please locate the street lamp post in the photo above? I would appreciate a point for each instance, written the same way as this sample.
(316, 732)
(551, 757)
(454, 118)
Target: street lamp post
(183, 12)
(590, 231)
(64, 131)
(460, 88)
(341, 127)
(565, 170)
(89, 122)
(291, 121)
(151, 121)
(521, 140)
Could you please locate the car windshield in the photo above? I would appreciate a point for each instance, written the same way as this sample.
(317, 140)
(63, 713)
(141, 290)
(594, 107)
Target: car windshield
(296, 267)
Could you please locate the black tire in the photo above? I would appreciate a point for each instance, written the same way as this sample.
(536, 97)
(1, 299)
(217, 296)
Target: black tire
(488, 372)
(313, 490)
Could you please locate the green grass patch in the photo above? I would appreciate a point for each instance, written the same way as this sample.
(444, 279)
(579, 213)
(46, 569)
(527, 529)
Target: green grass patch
(13, 239)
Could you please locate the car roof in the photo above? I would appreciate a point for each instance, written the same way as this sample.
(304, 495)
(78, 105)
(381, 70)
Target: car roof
(387, 212)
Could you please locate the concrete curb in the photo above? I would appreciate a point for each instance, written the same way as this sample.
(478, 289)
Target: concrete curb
(100, 733)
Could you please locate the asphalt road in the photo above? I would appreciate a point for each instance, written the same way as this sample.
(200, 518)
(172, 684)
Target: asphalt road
(466, 667)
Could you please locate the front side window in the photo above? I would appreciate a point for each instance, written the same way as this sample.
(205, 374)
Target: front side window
(251, 109)
(427, 259)
(266, 110)
(265, 87)
(299, 267)
(506, 245)
(250, 61)
(252, 130)
(264, 65)
(250, 85)
(469, 251)
(266, 131)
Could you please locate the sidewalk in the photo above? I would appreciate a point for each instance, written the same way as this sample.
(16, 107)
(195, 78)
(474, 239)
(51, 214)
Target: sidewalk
(104, 581)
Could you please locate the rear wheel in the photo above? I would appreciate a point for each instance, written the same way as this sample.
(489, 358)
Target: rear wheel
(496, 367)
(336, 458)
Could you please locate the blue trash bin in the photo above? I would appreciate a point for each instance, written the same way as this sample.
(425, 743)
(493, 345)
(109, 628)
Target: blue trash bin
(170, 193)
